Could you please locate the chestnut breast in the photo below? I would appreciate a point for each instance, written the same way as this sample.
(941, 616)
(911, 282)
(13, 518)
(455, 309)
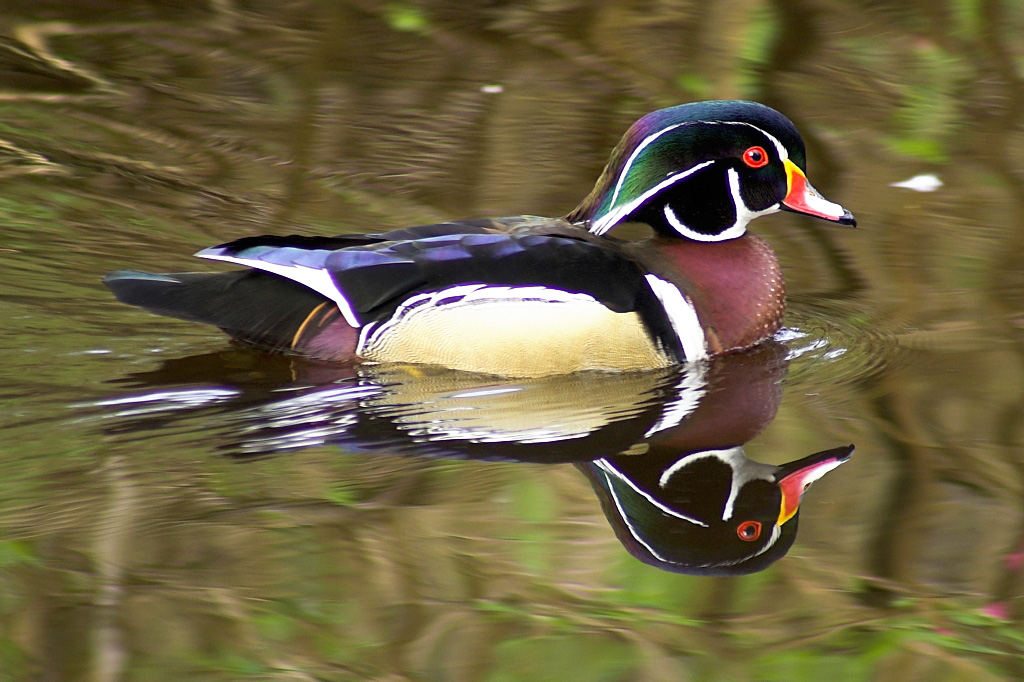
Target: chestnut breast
(736, 285)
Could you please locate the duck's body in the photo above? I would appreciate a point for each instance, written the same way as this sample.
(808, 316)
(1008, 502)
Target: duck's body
(530, 296)
(521, 296)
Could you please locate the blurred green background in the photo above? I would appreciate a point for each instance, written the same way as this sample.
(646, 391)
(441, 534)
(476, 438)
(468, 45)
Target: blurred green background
(135, 133)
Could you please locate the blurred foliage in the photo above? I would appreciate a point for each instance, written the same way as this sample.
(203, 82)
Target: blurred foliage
(406, 18)
(136, 133)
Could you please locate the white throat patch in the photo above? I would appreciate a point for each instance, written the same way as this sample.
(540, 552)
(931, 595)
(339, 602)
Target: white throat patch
(743, 214)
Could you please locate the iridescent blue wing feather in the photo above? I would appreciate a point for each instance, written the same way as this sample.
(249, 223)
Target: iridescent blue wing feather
(368, 281)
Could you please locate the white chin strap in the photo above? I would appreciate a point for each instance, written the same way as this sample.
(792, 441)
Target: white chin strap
(743, 216)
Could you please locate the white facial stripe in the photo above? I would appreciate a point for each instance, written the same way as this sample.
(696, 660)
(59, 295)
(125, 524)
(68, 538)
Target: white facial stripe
(632, 157)
(776, 534)
(629, 526)
(609, 469)
(672, 219)
(608, 220)
(732, 232)
(743, 214)
(743, 471)
(783, 153)
(317, 279)
(728, 456)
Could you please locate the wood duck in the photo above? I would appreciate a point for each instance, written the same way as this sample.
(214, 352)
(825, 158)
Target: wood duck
(532, 296)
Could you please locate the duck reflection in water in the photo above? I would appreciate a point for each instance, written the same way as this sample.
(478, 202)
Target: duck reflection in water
(663, 449)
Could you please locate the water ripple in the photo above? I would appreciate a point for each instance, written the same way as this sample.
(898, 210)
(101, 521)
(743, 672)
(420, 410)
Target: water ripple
(836, 341)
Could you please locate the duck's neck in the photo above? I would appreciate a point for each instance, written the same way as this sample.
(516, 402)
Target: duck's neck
(736, 285)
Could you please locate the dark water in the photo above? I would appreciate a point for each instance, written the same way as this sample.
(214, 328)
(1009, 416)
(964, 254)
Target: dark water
(174, 508)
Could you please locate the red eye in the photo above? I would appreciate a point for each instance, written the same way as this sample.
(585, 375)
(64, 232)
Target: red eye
(755, 157)
(749, 531)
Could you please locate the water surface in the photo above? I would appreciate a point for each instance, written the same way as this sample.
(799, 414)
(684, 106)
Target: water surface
(149, 530)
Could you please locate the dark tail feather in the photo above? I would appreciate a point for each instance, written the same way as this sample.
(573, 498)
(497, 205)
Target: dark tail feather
(255, 307)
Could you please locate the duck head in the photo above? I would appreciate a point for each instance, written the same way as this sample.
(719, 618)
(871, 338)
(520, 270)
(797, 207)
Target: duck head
(710, 512)
(704, 170)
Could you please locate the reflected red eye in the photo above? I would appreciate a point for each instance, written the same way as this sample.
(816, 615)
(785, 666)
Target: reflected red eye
(749, 530)
(755, 157)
